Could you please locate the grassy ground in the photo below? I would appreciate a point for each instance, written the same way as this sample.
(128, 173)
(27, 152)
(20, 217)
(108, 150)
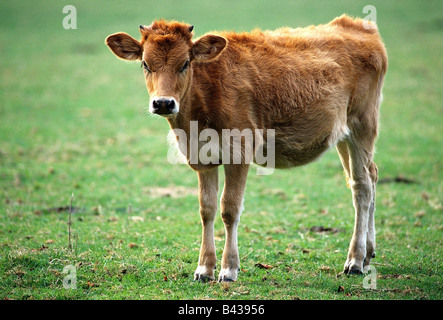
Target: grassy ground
(73, 121)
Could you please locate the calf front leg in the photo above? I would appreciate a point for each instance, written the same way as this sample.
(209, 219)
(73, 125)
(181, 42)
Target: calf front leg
(231, 208)
(208, 194)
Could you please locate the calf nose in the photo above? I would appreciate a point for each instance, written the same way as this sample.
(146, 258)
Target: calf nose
(163, 106)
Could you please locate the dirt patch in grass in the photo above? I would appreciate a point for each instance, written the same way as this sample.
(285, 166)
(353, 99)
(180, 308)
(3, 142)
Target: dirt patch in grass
(170, 192)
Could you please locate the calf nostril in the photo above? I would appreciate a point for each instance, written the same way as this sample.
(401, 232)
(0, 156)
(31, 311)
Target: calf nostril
(156, 104)
(170, 105)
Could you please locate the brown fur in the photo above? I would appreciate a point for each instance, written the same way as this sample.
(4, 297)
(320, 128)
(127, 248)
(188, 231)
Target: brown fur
(317, 87)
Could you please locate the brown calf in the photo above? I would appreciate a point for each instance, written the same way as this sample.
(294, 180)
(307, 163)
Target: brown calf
(315, 87)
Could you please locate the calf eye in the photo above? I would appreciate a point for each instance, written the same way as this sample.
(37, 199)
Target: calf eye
(145, 66)
(185, 66)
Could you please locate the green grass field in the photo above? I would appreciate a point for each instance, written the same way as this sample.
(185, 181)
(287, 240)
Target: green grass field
(73, 120)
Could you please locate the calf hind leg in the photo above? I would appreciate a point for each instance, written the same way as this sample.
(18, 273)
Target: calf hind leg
(361, 171)
(370, 240)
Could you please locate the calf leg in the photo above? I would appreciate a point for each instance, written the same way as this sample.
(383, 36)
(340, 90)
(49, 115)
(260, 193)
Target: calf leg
(342, 149)
(231, 208)
(208, 194)
(359, 151)
(370, 240)
(362, 184)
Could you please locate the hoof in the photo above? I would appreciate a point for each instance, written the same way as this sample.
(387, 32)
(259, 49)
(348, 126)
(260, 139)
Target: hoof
(228, 275)
(202, 274)
(203, 278)
(352, 267)
(352, 271)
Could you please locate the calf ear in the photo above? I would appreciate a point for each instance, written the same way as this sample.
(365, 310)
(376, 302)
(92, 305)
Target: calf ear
(208, 47)
(124, 46)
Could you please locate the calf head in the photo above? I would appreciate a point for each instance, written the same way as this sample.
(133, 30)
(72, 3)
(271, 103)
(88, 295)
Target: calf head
(167, 53)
